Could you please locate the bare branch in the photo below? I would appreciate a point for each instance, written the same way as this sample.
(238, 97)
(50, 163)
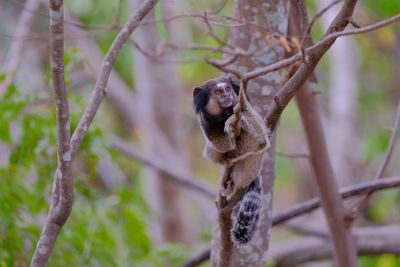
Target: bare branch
(62, 196)
(343, 243)
(295, 58)
(354, 190)
(157, 58)
(198, 259)
(190, 182)
(100, 89)
(307, 31)
(293, 155)
(312, 204)
(373, 240)
(306, 69)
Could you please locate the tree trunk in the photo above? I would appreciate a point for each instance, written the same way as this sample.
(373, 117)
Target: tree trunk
(270, 17)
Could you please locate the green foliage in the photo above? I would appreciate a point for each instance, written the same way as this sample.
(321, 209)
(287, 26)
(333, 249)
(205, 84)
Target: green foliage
(375, 142)
(385, 260)
(103, 229)
(381, 208)
(383, 8)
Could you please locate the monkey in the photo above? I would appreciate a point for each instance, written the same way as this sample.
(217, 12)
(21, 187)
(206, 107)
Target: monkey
(236, 144)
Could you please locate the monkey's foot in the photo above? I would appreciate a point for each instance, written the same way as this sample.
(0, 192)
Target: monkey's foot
(227, 188)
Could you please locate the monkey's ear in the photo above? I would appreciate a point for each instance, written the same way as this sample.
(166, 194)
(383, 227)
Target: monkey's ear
(196, 90)
(235, 85)
(200, 98)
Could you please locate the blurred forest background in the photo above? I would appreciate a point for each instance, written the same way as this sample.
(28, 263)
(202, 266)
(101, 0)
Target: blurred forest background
(127, 209)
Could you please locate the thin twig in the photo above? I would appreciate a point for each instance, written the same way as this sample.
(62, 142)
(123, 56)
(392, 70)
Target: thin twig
(293, 155)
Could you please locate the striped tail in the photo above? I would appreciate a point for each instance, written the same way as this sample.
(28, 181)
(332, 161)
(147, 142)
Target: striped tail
(245, 215)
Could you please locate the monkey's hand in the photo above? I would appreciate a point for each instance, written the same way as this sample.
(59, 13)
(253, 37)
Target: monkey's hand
(229, 128)
(230, 123)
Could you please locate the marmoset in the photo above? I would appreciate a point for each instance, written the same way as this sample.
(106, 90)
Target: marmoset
(237, 145)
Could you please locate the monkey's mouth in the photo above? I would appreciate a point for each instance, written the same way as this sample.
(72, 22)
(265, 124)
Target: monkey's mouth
(226, 103)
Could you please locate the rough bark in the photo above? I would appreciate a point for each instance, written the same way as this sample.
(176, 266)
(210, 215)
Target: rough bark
(272, 18)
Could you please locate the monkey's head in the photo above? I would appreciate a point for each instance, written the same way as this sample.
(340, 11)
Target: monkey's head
(215, 97)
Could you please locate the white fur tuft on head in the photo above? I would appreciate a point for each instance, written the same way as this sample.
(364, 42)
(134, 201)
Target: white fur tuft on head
(221, 85)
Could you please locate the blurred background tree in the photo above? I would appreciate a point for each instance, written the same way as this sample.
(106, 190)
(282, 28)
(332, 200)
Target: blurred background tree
(126, 213)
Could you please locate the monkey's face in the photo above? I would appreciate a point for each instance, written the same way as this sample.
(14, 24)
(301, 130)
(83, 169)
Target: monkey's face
(216, 97)
(225, 95)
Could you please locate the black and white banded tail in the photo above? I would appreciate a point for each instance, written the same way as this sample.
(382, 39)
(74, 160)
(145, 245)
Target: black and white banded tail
(245, 215)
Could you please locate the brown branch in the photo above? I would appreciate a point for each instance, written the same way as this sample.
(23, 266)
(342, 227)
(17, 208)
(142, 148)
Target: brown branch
(373, 240)
(307, 31)
(100, 89)
(187, 181)
(222, 66)
(293, 155)
(363, 202)
(354, 190)
(198, 259)
(62, 196)
(153, 55)
(14, 57)
(304, 229)
(312, 204)
(327, 40)
(345, 253)
(342, 240)
(306, 69)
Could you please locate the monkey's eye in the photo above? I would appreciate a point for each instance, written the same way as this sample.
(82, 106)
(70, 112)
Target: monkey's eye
(228, 89)
(218, 91)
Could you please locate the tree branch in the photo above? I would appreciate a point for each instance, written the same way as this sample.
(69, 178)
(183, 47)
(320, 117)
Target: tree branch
(100, 89)
(373, 240)
(312, 204)
(190, 182)
(62, 197)
(61, 200)
(343, 243)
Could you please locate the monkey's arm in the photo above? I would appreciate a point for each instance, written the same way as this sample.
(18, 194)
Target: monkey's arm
(252, 123)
